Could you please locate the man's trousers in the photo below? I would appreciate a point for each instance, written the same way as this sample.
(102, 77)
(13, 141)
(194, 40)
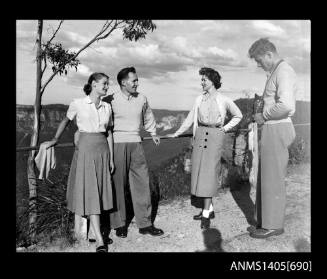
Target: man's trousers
(131, 171)
(271, 190)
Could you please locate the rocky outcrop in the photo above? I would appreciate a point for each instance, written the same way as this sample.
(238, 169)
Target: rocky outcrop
(50, 117)
(170, 122)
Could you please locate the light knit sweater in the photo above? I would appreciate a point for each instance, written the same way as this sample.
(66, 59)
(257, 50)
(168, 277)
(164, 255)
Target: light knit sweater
(129, 115)
(224, 103)
(279, 94)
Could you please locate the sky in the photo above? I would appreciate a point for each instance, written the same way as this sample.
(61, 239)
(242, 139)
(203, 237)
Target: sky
(168, 60)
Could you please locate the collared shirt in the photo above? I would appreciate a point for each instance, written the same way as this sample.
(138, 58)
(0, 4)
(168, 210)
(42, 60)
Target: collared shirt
(209, 113)
(279, 94)
(89, 118)
(129, 115)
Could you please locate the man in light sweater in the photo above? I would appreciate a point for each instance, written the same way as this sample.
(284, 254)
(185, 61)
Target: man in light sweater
(277, 135)
(131, 111)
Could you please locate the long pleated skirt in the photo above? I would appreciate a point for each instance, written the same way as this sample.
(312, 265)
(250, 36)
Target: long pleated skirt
(206, 155)
(89, 189)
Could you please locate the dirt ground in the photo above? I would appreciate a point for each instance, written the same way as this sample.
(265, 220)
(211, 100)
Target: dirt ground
(228, 232)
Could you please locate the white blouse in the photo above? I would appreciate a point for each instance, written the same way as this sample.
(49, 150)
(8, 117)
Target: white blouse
(89, 118)
(209, 110)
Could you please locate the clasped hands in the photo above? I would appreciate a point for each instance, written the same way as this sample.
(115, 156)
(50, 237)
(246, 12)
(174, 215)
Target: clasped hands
(258, 118)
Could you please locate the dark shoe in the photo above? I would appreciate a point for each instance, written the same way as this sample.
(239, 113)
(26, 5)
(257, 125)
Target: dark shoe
(151, 230)
(198, 217)
(102, 249)
(205, 223)
(107, 240)
(264, 233)
(121, 232)
(252, 228)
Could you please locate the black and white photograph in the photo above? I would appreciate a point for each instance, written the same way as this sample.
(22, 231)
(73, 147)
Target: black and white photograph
(153, 135)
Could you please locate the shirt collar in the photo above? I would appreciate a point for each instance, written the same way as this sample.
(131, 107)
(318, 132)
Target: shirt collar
(207, 95)
(88, 100)
(125, 97)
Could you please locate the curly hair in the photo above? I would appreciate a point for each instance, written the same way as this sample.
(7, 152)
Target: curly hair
(260, 47)
(212, 75)
(95, 76)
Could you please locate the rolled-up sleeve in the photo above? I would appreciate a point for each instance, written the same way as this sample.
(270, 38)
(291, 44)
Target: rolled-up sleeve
(285, 96)
(72, 110)
(236, 115)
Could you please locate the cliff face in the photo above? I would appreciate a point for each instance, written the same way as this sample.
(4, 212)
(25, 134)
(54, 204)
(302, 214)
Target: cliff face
(51, 116)
(167, 121)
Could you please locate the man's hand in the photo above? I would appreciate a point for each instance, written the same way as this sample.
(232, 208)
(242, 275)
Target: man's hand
(112, 166)
(171, 136)
(76, 138)
(156, 140)
(259, 118)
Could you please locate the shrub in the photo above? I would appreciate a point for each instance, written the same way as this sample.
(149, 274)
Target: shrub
(169, 180)
(297, 151)
(53, 220)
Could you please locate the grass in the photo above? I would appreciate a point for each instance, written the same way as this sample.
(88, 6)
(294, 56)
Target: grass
(54, 220)
(298, 151)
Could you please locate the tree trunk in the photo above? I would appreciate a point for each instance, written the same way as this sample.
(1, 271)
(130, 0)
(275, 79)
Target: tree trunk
(32, 183)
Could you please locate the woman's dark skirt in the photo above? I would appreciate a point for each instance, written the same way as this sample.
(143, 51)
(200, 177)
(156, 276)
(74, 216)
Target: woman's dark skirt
(89, 189)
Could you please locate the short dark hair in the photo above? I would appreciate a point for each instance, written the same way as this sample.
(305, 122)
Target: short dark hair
(260, 47)
(123, 73)
(95, 76)
(212, 75)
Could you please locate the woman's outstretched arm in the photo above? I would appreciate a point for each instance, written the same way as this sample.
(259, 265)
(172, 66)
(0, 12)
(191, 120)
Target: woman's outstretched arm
(63, 124)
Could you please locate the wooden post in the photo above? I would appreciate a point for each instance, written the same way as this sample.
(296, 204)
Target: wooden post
(80, 227)
(254, 149)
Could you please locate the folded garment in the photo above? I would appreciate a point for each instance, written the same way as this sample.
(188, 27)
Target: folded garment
(45, 160)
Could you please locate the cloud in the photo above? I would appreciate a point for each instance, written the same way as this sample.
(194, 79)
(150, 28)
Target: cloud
(176, 47)
(228, 54)
(268, 29)
(84, 70)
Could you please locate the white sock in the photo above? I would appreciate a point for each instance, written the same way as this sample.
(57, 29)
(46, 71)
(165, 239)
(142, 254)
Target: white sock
(205, 213)
(210, 207)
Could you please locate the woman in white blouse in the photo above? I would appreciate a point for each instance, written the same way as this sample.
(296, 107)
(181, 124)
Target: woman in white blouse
(89, 189)
(208, 116)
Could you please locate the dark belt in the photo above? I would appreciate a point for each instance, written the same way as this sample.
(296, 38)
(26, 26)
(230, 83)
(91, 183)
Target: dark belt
(209, 126)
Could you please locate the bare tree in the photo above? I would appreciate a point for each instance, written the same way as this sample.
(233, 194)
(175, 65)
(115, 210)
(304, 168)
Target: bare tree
(61, 60)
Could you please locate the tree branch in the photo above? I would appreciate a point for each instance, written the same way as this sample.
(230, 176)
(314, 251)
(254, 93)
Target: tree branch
(106, 25)
(109, 32)
(54, 34)
(95, 38)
